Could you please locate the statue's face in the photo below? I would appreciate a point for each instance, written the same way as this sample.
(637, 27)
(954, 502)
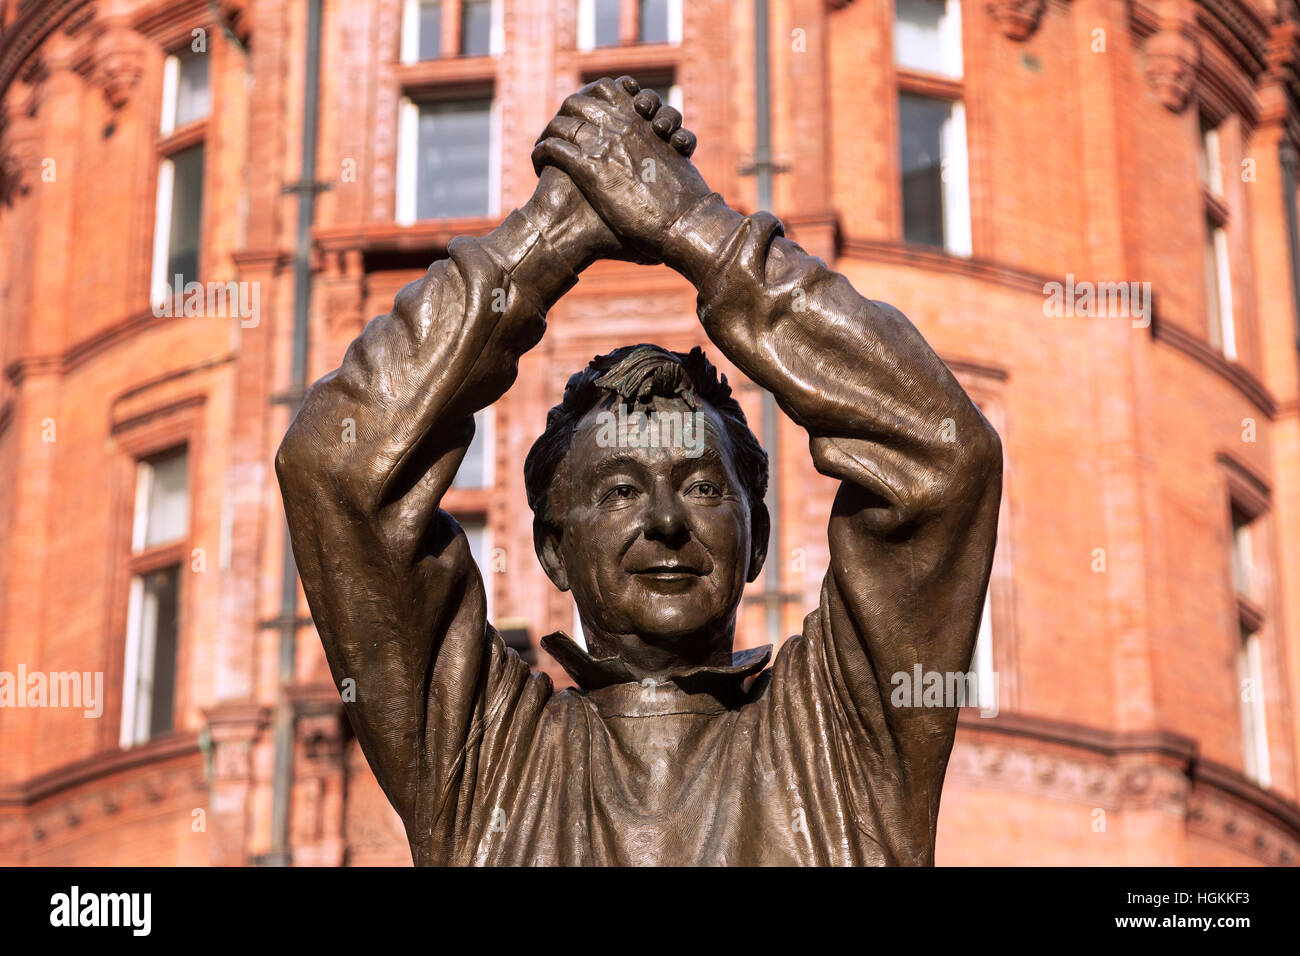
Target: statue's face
(655, 540)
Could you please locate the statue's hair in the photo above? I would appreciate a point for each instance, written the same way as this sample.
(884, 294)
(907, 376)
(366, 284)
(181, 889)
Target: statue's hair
(635, 374)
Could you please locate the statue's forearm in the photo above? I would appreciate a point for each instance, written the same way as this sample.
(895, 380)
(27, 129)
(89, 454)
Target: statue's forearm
(841, 365)
(450, 346)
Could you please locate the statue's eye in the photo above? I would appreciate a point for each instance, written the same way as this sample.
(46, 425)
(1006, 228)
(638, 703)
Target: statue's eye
(620, 493)
(706, 489)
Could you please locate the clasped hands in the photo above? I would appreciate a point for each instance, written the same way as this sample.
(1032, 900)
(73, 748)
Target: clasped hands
(615, 174)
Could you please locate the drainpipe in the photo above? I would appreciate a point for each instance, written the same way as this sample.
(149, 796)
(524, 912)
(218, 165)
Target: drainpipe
(288, 622)
(763, 169)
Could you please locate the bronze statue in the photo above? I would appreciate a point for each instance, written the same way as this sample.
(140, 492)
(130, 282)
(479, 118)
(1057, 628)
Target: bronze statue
(668, 752)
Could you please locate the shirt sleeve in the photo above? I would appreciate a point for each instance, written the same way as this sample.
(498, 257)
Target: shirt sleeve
(913, 525)
(396, 597)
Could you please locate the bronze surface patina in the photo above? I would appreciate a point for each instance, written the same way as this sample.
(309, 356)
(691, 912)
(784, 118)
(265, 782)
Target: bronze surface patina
(666, 752)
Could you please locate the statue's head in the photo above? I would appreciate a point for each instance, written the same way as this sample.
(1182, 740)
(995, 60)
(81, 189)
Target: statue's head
(647, 495)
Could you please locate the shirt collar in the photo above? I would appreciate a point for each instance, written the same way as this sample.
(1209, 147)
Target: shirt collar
(692, 688)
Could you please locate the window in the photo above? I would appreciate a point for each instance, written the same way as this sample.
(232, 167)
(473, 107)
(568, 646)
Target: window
(178, 210)
(186, 95)
(932, 139)
(927, 36)
(1218, 290)
(656, 21)
(1208, 162)
(1253, 727)
(421, 30)
(1220, 319)
(1243, 568)
(1250, 621)
(447, 160)
(932, 125)
(476, 27)
(653, 21)
(476, 467)
(603, 15)
(180, 214)
(427, 25)
(161, 523)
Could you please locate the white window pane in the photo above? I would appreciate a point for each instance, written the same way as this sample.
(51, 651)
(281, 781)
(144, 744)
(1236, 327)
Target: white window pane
(149, 697)
(163, 496)
(927, 36)
(921, 122)
(480, 549)
(476, 27)
(1223, 272)
(1253, 725)
(429, 46)
(453, 159)
(982, 660)
(1242, 561)
(475, 468)
(653, 25)
(1213, 321)
(1208, 159)
(161, 594)
(579, 637)
(193, 97)
(605, 27)
(956, 185)
(185, 222)
(936, 194)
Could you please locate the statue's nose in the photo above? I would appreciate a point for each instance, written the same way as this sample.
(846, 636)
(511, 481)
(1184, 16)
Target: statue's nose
(667, 519)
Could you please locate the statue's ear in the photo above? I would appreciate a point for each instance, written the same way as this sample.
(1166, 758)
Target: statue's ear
(546, 541)
(760, 529)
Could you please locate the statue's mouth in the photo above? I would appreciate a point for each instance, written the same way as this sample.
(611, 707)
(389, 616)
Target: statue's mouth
(669, 572)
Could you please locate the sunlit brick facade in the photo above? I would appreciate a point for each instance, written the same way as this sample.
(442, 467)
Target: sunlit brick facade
(952, 157)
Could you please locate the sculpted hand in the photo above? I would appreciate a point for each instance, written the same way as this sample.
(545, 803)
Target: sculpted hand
(629, 156)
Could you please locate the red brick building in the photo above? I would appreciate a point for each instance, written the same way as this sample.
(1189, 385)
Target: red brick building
(994, 169)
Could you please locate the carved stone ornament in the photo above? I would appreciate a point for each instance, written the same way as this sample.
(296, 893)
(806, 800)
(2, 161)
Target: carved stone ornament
(1018, 19)
(117, 67)
(17, 157)
(1171, 59)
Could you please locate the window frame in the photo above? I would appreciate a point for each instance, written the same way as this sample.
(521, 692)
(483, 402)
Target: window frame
(150, 433)
(172, 140)
(406, 197)
(629, 26)
(955, 192)
(1249, 506)
(451, 39)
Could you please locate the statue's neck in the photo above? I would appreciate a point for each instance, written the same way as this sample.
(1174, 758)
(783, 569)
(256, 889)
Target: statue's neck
(660, 658)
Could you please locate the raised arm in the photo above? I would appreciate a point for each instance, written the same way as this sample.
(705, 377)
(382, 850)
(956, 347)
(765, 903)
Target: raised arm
(913, 525)
(392, 588)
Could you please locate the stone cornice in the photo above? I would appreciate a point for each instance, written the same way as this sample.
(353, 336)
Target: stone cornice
(1116, 770)
(76, 354)
(1232, 372)
(935, 260)
(99, 766)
